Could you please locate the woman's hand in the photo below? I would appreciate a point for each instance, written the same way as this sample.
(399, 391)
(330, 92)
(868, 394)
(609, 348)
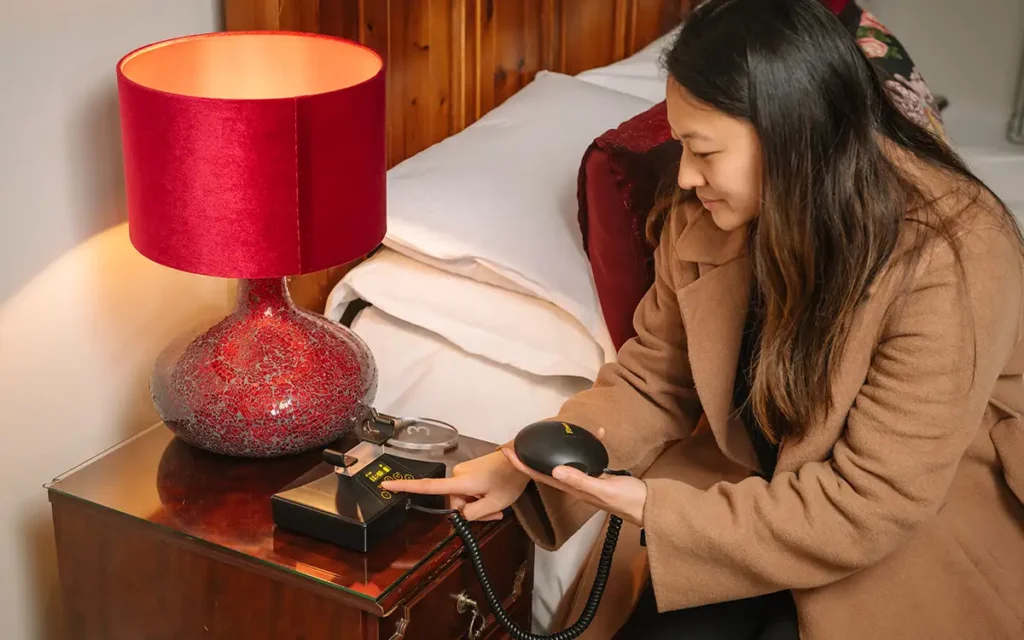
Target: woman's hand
(480, 488)
(624, 496)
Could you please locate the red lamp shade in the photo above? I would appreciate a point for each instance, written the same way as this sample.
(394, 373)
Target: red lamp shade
(254, 155)
(257, 156)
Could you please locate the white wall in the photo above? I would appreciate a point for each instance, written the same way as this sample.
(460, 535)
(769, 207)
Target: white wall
(968, 50)
(60, 172)
(82, 315)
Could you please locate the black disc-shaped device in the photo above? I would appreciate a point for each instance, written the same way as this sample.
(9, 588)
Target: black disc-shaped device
(544, 445)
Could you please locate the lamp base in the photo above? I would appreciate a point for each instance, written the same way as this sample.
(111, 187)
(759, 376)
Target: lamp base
(268, 380)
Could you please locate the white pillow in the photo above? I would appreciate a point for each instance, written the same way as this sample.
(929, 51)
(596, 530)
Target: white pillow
(508, 328)
(471, 268)
(501, 194)
(421, 374)
(639, 75)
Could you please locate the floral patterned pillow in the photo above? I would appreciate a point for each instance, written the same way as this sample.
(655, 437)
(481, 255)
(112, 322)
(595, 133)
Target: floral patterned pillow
(900, 76)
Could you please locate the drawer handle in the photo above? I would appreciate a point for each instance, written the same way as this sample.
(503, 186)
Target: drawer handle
(399, 633)
(464, 603)
(517, 586)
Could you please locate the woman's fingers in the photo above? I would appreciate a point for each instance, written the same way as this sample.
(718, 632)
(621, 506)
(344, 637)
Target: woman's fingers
(581, 482)
(457, 502)
(481, 509)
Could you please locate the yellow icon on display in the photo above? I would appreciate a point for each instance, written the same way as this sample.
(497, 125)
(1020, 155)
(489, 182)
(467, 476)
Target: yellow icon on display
(568, 429)
(375, 474)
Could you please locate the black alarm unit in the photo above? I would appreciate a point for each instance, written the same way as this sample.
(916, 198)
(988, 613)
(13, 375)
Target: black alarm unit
(353, 511)
(348, 507)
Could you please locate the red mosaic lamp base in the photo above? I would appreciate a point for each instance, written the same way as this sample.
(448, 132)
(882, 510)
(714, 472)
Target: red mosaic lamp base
(269, 380)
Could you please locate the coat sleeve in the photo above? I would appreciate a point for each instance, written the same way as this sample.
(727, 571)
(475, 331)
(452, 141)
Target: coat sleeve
(941, 350)
(645, 400)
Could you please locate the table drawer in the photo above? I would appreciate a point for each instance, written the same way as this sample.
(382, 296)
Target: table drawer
(445, 608)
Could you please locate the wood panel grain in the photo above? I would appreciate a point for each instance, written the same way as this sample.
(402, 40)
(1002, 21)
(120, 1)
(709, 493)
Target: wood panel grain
(289, 15)
(449, 62)
(118, 583)
(246, 15)
(649, 19)
(342, 19)
(589, 34)
(511, 48)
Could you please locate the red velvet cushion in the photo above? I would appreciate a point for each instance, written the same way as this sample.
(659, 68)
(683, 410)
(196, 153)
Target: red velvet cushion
(618, 183)
(835, 5)
(617, 250)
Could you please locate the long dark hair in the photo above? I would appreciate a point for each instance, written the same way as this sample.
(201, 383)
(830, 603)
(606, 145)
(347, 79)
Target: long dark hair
(834, 202)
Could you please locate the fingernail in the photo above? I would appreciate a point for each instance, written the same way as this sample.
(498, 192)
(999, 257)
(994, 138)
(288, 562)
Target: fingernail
(559, 473)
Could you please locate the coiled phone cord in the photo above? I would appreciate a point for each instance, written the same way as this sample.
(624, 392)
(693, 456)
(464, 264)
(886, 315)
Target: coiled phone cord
(604, 565)
(494, 602)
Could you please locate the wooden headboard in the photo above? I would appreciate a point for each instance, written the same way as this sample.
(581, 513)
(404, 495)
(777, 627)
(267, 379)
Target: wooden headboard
(451, 61)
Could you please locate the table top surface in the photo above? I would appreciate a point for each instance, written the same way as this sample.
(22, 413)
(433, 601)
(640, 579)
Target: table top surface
(224, 502)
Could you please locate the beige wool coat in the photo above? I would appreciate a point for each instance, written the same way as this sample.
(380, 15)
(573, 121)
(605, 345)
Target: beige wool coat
(898, 517)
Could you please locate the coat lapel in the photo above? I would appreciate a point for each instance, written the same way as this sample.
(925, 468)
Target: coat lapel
(714, 308)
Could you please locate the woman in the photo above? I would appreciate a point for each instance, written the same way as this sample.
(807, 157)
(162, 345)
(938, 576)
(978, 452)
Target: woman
(821, 409)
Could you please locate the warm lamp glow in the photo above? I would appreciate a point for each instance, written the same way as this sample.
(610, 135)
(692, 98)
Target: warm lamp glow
(255, 66)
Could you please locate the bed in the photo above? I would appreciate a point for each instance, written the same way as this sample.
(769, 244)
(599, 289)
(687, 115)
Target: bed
(480, 307)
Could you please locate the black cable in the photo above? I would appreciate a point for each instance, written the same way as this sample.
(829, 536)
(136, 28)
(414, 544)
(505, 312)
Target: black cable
(604, 566)
(494, 602)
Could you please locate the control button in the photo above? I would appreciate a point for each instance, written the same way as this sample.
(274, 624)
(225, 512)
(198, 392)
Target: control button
(408, 476)
(388, 479)
(386, 495)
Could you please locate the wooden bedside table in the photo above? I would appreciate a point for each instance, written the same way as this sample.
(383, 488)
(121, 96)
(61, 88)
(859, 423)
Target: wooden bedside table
(159, 540)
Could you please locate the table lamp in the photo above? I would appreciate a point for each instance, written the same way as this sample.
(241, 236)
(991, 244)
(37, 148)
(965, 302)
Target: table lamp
(257, 156)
